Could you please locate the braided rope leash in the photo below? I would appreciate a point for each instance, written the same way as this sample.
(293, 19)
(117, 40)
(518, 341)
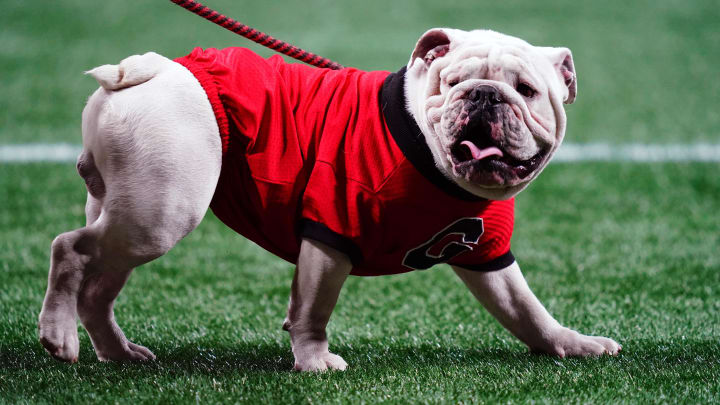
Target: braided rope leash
(257, 36)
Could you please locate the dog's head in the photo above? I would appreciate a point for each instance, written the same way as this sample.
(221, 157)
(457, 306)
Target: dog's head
(490, 106)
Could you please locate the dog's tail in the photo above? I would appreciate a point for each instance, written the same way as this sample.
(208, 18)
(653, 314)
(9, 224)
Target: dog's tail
(131, 71)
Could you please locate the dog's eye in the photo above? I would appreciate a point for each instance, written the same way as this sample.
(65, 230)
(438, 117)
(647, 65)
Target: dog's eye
(525, 90)
(453, 83)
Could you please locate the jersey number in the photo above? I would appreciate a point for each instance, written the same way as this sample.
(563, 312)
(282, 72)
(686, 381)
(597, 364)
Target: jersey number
(421, 258)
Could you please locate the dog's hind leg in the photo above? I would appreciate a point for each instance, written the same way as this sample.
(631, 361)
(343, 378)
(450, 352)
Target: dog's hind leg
(95, 304)
(100, 288)
(71, 251)
(57, 325)
(156, 156)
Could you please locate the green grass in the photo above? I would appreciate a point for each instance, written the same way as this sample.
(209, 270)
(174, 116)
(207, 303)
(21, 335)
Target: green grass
(647, 69)
(622, 250)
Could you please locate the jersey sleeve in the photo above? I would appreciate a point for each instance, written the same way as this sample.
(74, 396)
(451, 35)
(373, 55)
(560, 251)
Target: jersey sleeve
(340, 213)
(492, 250)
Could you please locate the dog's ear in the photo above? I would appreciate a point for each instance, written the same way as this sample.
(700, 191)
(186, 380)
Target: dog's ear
(562, 61)
(431, 45)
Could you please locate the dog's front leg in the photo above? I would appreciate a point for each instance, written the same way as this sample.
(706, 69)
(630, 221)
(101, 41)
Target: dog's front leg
(508, 298)
(320, 274)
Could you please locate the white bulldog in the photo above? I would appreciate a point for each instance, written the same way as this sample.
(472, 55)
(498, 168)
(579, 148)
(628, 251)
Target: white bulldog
(489, 106)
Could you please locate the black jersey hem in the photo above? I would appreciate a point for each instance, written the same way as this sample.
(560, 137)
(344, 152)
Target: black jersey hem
(409, 137)
(320, 232)
(496, 264)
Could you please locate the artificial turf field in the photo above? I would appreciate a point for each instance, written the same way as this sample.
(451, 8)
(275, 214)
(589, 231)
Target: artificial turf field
(625, 250)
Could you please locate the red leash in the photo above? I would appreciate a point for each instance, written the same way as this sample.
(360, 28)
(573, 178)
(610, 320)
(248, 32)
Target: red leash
(257, 36)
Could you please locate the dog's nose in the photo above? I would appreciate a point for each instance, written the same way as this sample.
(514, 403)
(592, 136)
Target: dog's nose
(485, 95)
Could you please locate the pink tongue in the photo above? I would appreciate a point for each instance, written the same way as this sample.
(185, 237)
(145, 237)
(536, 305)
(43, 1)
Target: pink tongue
(479, 154)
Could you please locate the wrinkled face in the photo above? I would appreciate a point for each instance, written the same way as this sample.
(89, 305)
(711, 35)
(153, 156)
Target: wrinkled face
(490, 106)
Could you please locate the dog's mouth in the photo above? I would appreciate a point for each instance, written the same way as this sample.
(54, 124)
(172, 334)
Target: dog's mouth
(477, 151)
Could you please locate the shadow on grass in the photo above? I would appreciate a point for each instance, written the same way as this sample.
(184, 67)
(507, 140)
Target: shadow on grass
(266, 357)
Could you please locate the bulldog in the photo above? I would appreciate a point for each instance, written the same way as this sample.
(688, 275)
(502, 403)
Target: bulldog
(340, 172)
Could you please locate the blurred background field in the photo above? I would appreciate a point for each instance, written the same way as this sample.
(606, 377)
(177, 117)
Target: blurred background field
(648, 70)
(627, 250)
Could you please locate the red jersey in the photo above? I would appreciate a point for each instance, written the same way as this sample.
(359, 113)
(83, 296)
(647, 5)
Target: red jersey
(334, 156)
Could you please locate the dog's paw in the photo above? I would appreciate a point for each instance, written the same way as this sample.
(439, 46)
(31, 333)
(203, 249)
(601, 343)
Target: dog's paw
(59, 338)
(569, 343)
(128, 351)
(320, 362)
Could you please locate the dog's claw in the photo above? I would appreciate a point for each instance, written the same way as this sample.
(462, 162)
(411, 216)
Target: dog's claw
(569, 343)
(321, 362)
(60, 339)
(128, 352)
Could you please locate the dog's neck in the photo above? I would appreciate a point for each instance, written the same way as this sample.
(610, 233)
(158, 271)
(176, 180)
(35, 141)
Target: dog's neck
(409, 137)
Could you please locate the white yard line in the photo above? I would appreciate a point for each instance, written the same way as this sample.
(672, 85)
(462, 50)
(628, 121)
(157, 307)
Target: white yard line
(39, 152)
(603, 152)
(569, 152)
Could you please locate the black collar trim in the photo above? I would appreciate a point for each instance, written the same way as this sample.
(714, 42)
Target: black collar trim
(410, 139)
